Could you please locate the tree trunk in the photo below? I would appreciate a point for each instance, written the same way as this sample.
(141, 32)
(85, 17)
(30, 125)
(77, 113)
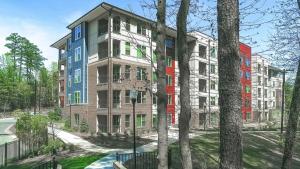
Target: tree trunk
(230, 100)
(184, 80)
(161, 87)
(291, 130)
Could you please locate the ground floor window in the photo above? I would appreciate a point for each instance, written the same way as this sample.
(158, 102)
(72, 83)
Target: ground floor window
(76, 118)
(140, 120)
(127, 121)
(248, 116)
(154, 121)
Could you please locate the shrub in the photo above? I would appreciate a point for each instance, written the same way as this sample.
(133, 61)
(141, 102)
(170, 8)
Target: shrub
(84, 127)
(53, 145)
(67, 124)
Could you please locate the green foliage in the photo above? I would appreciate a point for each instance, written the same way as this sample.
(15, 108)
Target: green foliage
(52, 145)
(84, 127)
(31, 127)
(67, 124)
(54, 115)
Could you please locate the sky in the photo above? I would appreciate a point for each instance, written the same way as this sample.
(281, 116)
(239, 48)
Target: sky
(43, 22)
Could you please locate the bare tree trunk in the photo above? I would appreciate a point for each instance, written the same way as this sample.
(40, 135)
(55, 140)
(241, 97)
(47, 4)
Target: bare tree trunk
(291, 130)
(230, 100)
(184, 80)
(161, 86)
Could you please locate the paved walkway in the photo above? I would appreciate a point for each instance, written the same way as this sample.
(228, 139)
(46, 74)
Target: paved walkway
(5, 134)
(69, 138)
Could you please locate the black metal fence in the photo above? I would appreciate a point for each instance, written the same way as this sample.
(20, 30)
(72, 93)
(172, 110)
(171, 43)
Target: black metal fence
(51, 164)
(16, 150)
(144, 160)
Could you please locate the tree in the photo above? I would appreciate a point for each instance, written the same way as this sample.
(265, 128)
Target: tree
(184, 80)
(161, 86)
(293, 119)
(230, 101)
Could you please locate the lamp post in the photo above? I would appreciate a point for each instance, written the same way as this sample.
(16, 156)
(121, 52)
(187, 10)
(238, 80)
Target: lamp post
(133, 96)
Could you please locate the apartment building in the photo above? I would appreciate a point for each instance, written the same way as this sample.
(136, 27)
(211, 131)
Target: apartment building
(110, 51)
(267, 88)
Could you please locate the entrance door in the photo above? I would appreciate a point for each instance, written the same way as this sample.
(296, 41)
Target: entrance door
(116, 123)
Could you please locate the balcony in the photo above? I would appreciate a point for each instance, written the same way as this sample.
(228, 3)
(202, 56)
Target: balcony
(102, 99)
(62, 55)
(202, 68)
(202, 85)
(102, 74)
(116, 99)
(117, 73)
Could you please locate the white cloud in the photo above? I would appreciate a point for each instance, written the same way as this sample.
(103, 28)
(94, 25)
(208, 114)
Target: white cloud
(41, 35)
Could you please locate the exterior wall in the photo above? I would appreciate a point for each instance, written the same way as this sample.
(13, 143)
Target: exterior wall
(245, 52)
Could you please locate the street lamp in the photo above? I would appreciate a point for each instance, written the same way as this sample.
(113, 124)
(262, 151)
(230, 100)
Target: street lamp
(133, 96)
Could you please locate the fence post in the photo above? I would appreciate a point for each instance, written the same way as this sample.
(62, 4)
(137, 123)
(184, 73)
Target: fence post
(19, 149)
(169, 158)
(5, 155)
(117, 156)
(54, 163)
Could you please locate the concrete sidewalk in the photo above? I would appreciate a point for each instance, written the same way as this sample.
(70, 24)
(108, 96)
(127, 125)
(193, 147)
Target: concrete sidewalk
(69, 138)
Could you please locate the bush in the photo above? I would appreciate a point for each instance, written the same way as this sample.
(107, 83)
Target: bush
(67, 124)
(54, 116)
(52, 145)
(84, 127)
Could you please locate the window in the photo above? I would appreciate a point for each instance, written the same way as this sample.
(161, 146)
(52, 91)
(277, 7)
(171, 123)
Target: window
(169, 61)
(76, 115)
(154, 77)
(77, 54)
(247, 89)
(248, 63)
(266, 104)
(170, 99)
(248, 116)
(127, 24)
(77, 76)
(70, 98)
(127, 48)
(154, 100)
(247, 103)
(266, 81)
(102, 27)
(273, 84)
(140, 120)
(154, 57)
(127, 96)
(141, 73)
(127, 72)
(259, 92)
(77, 96)
(69, 81)
(116, 99)
(69, 41)
(169, 80)
(213, 52)
(116, 48)
(202, 51)
(127, 120)
(259, 68)
(265, 70)
(141, 97)
(141, 29)
(248, 75)
(259, 104)
(213, 101)
(141, 51)
(213, 85)
(273, 93)
(116, 24)
(266, 93)
(212, 69)
(69, 62)
(77, 32)
(259, 80)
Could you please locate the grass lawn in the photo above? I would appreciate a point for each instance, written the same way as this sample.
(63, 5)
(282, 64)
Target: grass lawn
(78, 162)
(262, 150)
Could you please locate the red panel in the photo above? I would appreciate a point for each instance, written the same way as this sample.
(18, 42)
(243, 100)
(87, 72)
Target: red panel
(245, 53)
(171, 90)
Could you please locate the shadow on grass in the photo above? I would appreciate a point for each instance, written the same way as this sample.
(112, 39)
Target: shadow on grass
(122, 142)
